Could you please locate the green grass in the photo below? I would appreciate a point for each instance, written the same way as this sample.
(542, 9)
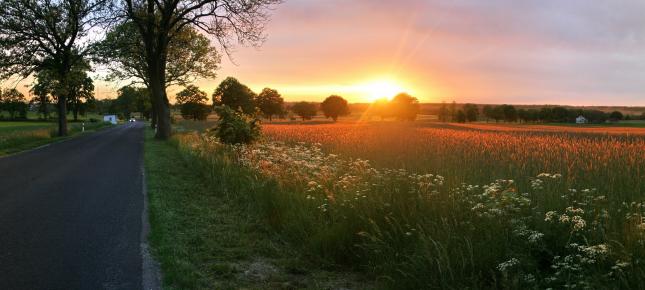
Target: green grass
(208, 234)
(24, 135)
(417, 231)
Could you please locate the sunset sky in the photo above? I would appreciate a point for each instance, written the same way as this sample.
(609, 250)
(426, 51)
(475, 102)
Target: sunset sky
(529, 52)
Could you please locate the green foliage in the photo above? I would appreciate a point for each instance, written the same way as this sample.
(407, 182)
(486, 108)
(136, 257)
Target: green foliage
(190, 55)
(131, 99)
(334, 106)
(616, 116)
(13, 101)
(460, 116)
(305, 110)
(191, 94)
(235, 127)
(195, 111)
(234, 94)
(471, 111)
(270, 103)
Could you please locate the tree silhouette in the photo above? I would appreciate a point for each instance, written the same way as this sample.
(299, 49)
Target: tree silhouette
(160, 21)
(235, 95)
(189, 56)
(305, 110)
(270, 103)
(193, 103)
(40, 35)
(334, 106)
(404, 107)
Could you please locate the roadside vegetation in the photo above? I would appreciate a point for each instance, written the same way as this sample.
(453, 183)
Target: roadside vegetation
(20, 136)
(445, 208)
(208, 233)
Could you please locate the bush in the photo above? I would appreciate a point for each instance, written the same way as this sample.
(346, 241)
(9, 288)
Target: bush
(235, 127)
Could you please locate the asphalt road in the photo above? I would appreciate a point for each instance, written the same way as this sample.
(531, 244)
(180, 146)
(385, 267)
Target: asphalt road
(71, 213)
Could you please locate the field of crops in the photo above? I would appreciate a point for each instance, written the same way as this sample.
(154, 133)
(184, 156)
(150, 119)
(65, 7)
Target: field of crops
(446, 207)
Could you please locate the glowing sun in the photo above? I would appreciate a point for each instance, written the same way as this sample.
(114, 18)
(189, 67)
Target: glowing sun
(379, 89)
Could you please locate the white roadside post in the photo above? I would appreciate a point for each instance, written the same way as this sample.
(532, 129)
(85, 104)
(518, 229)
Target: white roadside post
(83, 127)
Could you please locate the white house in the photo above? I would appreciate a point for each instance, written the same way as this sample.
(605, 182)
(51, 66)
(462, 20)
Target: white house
(110, 118)
(581, 120)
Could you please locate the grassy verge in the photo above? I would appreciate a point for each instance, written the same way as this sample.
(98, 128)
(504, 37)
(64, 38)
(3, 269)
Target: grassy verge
(207, 234)
(20, 136)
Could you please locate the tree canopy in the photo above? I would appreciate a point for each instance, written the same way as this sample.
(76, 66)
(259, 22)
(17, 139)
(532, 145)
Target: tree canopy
(191, 94)
(235, 95)
(190, 56)
(159, 22)
(270, 103)
(404, 107)
(47, 35)
(305, 110)
(334, 106)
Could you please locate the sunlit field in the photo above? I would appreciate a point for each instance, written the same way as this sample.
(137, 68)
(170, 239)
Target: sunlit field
(449, 207)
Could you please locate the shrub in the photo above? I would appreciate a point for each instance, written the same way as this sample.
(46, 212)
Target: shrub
(235, 127)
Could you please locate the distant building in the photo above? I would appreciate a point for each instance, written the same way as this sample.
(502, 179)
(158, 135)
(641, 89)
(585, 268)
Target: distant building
(110, 118)
(581, 120)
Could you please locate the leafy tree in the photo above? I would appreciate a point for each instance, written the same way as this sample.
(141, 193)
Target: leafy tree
(305, 110)
(471, 112)
(193, 103)
(334, 106)
(13, 102)
(559, 114)
(235, 127)
(144, 103)
(191, 94)
(42, 91)
(489, 112)
(159, 22)
(81, 91)
(461, 116)
(616, 116)
(443, 113)
(47, 35)
(404, 107)
(235, 95)
(509, 112)
(126, 101)
(270, 103)
(453, 111)
(381, 108)
(190, 56)
(195, 111)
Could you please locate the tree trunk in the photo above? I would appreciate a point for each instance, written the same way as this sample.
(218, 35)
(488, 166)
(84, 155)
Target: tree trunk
(62, 116)
(153, 119)
(158, 91)
(75, 111)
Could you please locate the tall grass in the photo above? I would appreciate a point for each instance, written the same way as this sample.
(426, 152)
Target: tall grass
(614, 164)
(412, 229)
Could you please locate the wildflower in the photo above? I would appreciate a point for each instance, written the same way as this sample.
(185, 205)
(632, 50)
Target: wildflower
(507, 265)
(549, 216)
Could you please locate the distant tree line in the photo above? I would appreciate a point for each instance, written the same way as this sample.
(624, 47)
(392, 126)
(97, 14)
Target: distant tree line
(509, 113)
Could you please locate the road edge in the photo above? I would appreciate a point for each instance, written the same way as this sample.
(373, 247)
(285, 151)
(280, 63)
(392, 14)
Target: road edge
(63, 139)
(150, 274)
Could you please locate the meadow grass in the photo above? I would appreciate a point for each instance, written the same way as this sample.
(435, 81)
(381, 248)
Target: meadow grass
(445, 208)
(19, 136)
(207, 233)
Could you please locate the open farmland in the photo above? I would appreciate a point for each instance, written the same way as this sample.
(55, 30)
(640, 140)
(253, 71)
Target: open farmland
(444, 206)
(613, 163)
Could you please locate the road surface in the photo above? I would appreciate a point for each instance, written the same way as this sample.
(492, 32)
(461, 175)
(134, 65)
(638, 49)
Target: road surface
(71, 213)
